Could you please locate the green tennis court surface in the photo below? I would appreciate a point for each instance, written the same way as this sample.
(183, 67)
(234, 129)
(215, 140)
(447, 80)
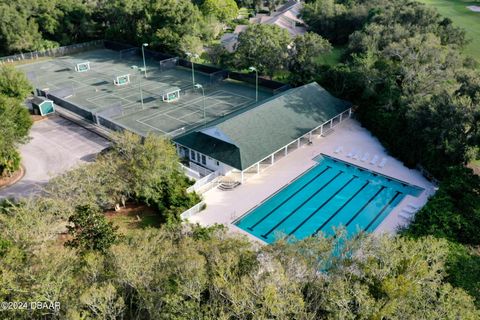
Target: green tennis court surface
(138, 105)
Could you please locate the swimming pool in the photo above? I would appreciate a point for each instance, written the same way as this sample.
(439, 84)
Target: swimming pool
(331, 194)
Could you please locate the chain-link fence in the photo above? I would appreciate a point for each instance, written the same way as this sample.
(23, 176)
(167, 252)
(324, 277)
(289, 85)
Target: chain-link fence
(55, 52)
(168, 64)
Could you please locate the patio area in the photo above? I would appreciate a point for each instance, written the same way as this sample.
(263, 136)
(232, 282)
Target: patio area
(226, 206)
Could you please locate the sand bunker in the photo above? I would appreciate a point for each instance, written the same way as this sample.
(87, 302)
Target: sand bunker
(474, 8)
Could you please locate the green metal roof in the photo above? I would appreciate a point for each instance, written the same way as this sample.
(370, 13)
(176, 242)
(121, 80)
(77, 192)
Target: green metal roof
(246, 138)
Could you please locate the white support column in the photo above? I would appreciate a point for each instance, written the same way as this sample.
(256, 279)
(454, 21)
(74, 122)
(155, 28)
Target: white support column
(272, 158)
(331, 123)
(350, 112)
(241, 173)
(286, 150)
(341, 114)
(298, 143)
(310, 136)
(321, 130)
(258, 167)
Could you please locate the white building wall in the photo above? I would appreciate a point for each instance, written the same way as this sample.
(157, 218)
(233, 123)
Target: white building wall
(209, 163)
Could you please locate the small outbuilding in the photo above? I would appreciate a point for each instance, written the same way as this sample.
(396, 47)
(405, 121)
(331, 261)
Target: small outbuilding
(42, 106)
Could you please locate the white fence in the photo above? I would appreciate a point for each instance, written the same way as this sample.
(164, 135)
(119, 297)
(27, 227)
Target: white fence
(191, 173)
(200, 185)
(193, 210)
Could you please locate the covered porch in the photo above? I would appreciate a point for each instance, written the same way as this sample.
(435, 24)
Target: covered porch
(322, 130)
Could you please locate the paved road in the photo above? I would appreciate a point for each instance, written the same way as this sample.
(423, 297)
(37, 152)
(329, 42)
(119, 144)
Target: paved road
(56, 145)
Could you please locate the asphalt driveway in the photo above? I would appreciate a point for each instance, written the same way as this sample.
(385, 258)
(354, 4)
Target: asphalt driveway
(56, 145)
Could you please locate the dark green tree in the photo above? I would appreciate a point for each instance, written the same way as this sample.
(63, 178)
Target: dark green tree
(14, 118)
(454, 211)
(90, 230)
(13, 83)
(304, 53)
(223, 10)
(264, 47)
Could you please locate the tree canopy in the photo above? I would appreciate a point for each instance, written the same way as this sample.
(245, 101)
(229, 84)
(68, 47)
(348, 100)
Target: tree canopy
(304, 53)
(223, 10)
(90, 231)
(264, 47)
(14, 117)
(407, 76)
(165, 273)
(147, 171)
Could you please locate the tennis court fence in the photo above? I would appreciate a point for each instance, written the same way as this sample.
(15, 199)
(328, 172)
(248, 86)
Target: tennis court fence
(55, 52)
(58, 96)
(168, 64)
(103, 118)
(113, 111)
(166, 61)
(126, 54)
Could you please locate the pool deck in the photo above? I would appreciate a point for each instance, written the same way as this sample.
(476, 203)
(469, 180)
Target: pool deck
(224, 207)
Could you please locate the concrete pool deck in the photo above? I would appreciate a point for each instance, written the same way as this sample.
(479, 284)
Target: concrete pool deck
(224, 207)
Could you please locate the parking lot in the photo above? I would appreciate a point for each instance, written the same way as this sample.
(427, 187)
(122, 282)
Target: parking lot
(56, 145)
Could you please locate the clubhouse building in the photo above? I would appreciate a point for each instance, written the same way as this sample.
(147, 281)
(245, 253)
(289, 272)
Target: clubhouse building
(247, 141)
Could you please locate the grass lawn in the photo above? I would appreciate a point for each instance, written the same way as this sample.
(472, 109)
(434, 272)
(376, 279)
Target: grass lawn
(462, 17)
(133, 217)
(475, 166)
(331, 58)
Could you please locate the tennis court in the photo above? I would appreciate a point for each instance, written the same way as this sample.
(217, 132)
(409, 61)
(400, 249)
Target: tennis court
(114, 86)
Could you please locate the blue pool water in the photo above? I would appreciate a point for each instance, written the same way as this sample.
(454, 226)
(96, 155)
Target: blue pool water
(331, 194)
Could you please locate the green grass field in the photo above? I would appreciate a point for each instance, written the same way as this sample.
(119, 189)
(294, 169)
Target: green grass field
(332, 58)
(462, 17)
(134, 217)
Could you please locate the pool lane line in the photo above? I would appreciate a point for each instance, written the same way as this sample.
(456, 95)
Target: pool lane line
(287, 199)
(265, 235)
(397, 193)
(323, 204)
(341, 208)
(364, 206)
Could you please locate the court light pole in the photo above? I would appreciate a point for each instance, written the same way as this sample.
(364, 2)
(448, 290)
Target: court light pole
(256, 82)
(192, 56)
(199, 86)
(143, 55)
(139, 86)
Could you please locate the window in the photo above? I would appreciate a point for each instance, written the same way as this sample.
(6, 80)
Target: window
(192, 155)
(204, 159)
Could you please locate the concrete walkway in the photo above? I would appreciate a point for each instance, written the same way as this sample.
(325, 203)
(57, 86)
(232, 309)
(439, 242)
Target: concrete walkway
(226, 206)
(56, 145)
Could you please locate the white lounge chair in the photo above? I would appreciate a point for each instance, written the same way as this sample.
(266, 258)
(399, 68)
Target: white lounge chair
(406, 216)
(374, 160)
(365, 157)
(409, 210)
(357, 155)
(382, 163)
(351, 153)
(339, 149)
(413, 206)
